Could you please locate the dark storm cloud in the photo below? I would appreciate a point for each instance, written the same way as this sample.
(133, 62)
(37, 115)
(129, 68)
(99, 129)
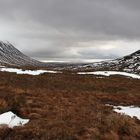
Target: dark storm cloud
(57, 28)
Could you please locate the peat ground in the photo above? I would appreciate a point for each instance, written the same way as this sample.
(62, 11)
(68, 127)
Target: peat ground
(69, 106)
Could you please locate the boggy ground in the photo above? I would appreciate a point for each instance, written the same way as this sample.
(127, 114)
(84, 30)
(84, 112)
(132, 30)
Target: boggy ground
(69, 106)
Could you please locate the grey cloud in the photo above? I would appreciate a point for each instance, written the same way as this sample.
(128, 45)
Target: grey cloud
(53, 28)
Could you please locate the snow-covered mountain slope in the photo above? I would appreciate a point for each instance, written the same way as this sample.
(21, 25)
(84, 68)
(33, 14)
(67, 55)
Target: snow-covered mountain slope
(129, 63)
(10, 56)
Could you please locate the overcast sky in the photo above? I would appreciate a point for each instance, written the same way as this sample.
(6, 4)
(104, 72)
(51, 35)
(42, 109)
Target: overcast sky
(71, 29)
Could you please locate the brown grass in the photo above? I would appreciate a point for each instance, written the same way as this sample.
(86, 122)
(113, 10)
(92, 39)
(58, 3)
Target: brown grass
(69, 107)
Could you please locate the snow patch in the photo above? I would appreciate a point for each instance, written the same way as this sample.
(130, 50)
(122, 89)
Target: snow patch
(109, 73)
(2, 66)
(131, 111)
(29, 72)
(12, 120)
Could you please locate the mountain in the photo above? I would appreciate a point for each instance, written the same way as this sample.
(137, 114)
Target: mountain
(129, 63)
(10, 56)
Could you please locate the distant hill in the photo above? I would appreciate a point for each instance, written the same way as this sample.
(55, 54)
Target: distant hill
(10, 56)
(129, 63)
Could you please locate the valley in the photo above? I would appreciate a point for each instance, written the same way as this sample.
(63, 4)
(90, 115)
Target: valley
(63, 101)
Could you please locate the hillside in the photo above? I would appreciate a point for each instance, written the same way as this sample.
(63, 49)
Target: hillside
(10, 56)
(129, 63)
